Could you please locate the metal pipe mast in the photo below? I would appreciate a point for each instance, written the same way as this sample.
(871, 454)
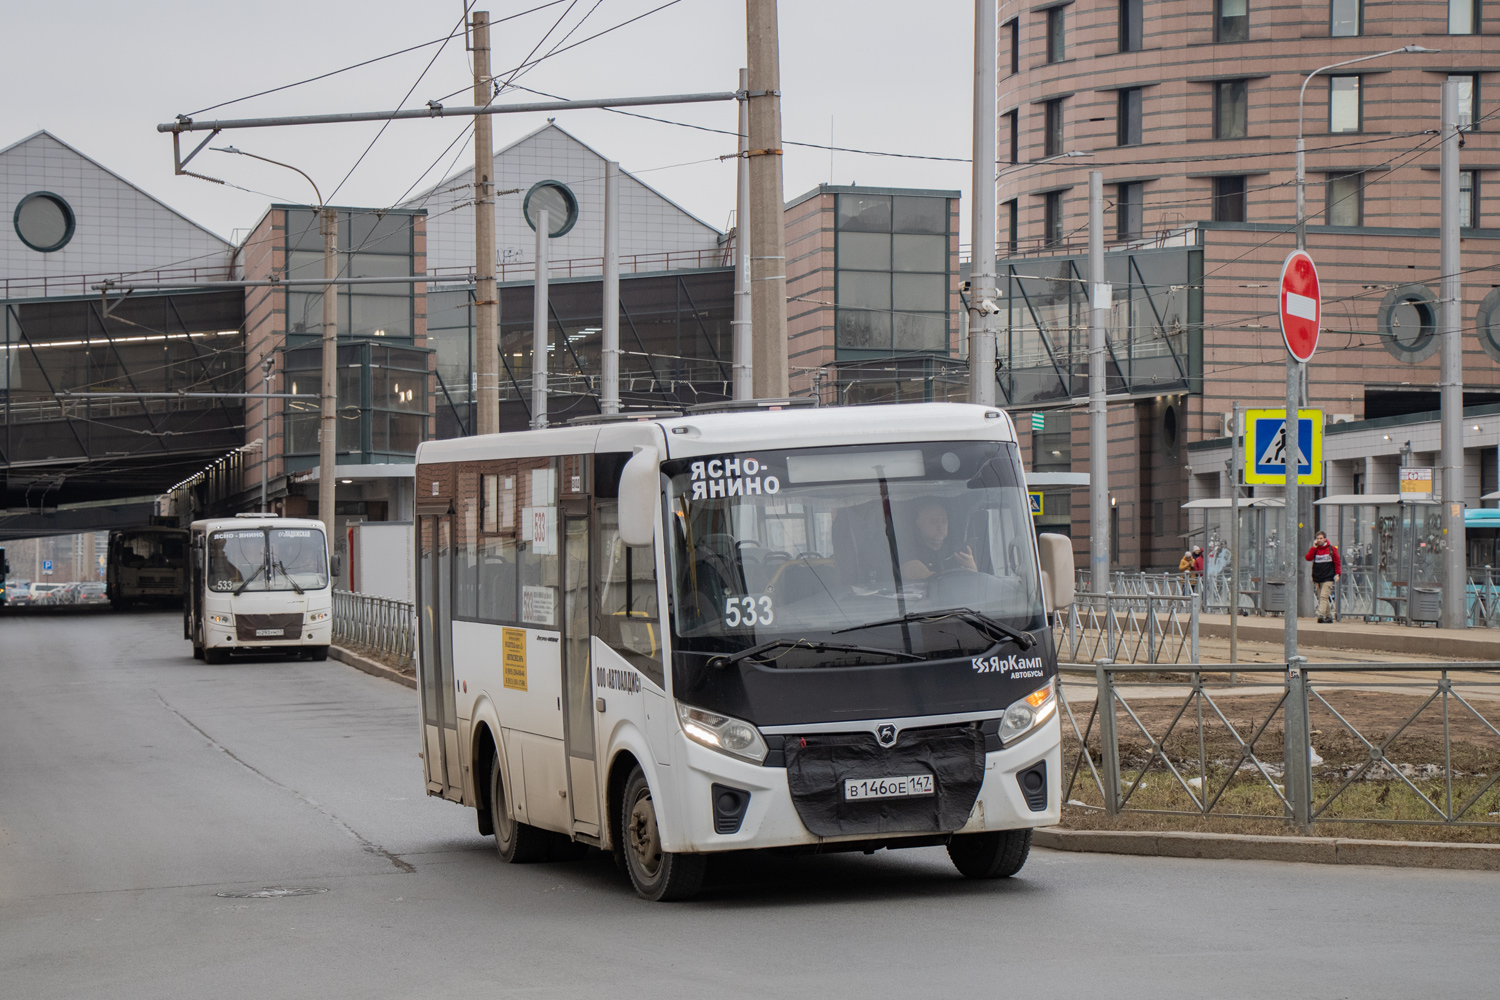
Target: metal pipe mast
(486, 295)
(982, 235)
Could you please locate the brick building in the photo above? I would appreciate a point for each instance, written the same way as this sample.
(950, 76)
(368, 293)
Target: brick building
(1191, 113)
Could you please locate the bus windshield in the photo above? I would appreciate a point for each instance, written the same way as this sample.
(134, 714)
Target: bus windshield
(261, 559)
(822, 544)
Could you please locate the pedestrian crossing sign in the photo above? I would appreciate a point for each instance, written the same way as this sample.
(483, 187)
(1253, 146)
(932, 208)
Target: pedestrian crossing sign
(1036, 504)
(1265, 447)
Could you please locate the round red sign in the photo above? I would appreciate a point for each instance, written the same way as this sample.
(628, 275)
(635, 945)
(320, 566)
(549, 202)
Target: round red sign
(1301, 305)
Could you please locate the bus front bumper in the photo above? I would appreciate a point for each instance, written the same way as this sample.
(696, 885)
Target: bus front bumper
(771, 820)
(314, 634)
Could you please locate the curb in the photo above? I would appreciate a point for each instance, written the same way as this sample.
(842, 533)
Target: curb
(372, 667)
(1420, 644)
(1310, 850)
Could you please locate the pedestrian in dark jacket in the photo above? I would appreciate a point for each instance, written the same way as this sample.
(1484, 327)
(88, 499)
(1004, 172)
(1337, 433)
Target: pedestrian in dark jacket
(1324, 557)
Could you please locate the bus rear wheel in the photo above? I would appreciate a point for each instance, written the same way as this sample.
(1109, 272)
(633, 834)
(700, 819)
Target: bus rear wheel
(516, 842)
(998, 854)
(657, 875)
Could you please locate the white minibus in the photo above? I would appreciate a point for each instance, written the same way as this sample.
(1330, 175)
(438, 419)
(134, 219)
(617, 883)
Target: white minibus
(258, 583)
(741, 627)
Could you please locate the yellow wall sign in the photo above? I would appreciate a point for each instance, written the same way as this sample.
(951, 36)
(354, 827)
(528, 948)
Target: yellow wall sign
(513, 657)
(1266, 450)
(1036, 504)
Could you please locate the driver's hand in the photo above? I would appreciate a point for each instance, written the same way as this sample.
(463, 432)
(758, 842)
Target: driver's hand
(964, 557)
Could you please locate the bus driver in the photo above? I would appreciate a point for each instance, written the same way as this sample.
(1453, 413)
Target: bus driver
(931, 553)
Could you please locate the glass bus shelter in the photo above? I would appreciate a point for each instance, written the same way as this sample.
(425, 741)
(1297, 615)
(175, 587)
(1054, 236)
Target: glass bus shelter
(1261, 586)
(1392, 552)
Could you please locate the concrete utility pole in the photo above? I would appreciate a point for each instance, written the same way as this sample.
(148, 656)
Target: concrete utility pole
(609, 401)
(328, 425)
(1100, 296)
(487, 298)
(982, 237)
(1451, 375)
(744, 360)
(539, 325)
(1234, 536)
(767, 225)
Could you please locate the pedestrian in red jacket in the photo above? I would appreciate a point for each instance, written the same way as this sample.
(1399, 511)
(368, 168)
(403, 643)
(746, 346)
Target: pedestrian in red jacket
(1324, 557)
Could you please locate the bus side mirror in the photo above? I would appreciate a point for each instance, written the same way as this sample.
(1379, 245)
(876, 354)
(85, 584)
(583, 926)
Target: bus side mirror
(640, 485)
(1057, 569)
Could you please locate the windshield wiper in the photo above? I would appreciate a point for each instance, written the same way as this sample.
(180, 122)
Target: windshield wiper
(720, 662)
(282, 566)
(982, 622)
(249, 579)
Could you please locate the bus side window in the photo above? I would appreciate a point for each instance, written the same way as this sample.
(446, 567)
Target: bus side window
(628, 619)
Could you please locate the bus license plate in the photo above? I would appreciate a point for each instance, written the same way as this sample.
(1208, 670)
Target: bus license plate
(269, 631)
(887, 788)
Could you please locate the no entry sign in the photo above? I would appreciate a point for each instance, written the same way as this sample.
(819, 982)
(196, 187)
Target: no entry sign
(1301, 305)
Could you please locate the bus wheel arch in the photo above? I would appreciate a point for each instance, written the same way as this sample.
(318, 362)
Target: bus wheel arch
(484, 759)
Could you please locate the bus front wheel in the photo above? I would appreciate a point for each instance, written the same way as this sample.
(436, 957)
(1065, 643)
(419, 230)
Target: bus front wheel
(316, 653)
(658, 875)
(515, 842)
(215, 654)
(997, 854)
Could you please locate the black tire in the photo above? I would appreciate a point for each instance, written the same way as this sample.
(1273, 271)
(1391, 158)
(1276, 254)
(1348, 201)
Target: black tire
(517, 843)
(215, 654)
(999, 854)
(197, 651)
(316, 653)
(660, 876)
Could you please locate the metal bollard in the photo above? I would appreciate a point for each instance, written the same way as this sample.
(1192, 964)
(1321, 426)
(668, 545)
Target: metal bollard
(1109, 743)
(1193, 629)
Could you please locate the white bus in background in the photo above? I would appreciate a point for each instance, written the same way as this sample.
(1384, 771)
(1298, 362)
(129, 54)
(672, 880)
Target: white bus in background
(815, 629)
(259, 583)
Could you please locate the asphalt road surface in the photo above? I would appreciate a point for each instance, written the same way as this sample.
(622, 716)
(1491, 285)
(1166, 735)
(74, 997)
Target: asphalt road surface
(137, 785)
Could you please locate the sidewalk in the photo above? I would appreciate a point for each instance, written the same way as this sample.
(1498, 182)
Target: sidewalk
(1390, 642)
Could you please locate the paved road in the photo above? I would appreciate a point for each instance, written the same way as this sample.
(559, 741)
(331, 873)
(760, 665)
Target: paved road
(136, 784)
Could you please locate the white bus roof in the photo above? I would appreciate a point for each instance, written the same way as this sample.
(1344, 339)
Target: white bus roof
(714, 433)
(268, 521)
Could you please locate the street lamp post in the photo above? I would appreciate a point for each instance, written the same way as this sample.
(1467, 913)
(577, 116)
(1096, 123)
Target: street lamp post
(328, 423)
(1291, 534)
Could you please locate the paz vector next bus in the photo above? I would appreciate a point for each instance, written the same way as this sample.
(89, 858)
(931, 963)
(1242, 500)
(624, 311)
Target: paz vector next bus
(815, 629)
(258, 583)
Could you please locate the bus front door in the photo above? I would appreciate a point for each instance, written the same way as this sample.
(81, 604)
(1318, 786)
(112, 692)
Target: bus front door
(439, 707)
(578, 689)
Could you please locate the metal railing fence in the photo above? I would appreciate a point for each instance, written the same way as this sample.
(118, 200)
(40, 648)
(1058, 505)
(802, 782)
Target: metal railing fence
(1242, 782)
(378, 626)
(1148, 628)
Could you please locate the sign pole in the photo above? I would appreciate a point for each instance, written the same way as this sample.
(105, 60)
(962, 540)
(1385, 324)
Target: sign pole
(1289, 538)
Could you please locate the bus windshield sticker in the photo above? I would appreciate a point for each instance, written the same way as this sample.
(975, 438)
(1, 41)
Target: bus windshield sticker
(1013, 667)
(748, 611)
(290, 533)
(513, 658)
(538, 606)
(731, 477)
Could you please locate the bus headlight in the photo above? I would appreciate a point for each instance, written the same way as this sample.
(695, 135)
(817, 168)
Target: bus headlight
(316, 616)
(1025, 716)
(719, 732)
(224, 619)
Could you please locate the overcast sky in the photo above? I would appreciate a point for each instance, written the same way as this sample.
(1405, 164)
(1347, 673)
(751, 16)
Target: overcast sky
(877, 74)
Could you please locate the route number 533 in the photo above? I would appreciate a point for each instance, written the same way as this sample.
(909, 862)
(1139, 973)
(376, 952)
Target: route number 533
(747, 611)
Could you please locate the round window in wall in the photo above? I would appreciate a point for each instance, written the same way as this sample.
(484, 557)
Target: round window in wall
(559, 203)
(1488, 324)
(1408, 322)
(44, 221)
